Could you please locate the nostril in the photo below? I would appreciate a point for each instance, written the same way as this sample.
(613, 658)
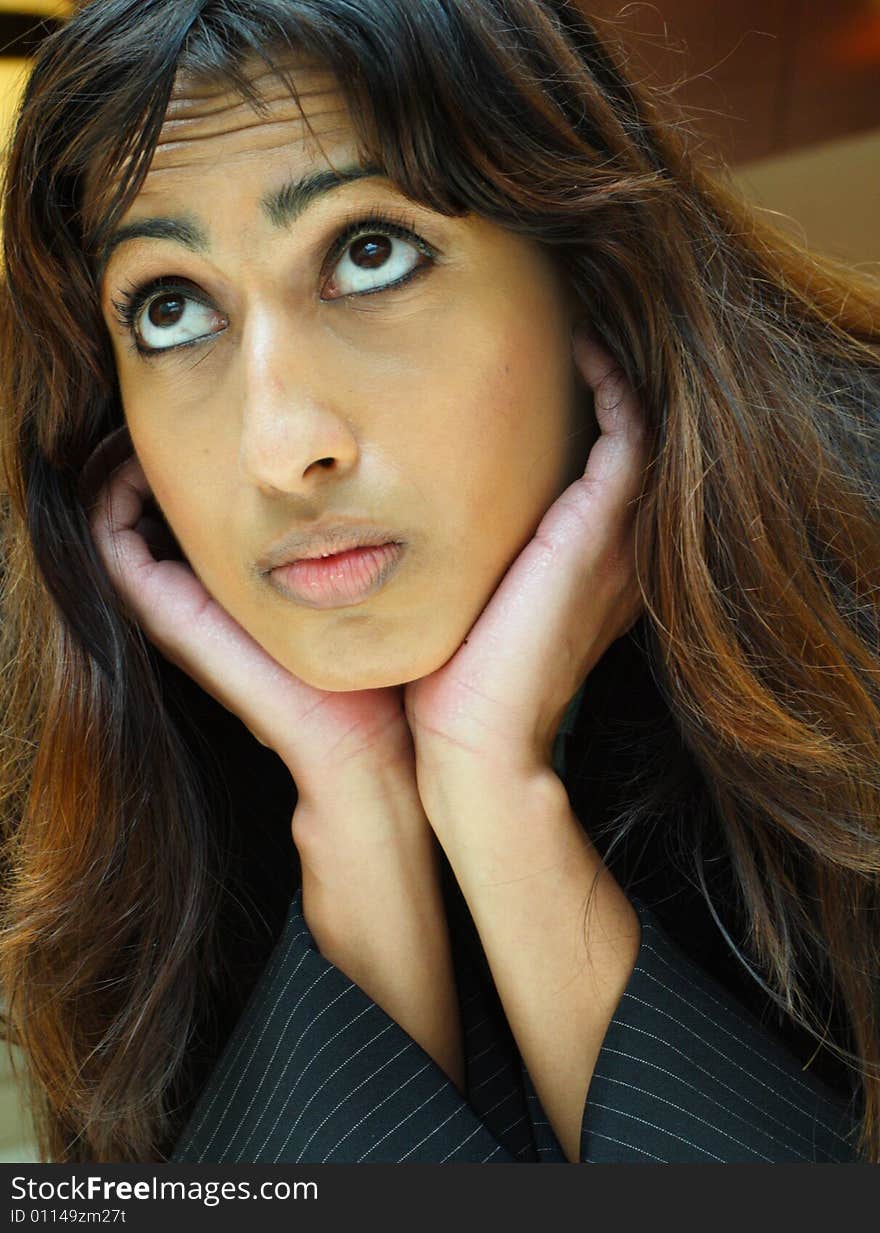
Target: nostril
(326, 463)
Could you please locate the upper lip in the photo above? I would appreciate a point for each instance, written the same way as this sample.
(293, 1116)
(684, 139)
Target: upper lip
(323, 540)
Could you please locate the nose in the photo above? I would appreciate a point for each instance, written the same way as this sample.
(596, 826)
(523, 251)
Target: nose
(294, 437)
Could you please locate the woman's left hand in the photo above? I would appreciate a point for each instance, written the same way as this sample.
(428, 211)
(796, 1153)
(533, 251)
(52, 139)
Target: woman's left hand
(493, 710)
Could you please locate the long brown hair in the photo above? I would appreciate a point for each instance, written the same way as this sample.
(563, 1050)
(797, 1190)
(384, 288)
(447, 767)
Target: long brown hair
(759, 552)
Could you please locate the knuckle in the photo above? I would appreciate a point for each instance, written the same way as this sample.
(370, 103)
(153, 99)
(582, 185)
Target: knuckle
(611, 389)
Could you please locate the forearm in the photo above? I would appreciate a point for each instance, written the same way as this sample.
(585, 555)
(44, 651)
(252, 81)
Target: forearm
(526, 868)
(373, 901)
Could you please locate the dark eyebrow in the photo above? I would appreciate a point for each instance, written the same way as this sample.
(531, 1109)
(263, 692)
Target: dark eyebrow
(286, 204)
(282, 206)
(185, 230)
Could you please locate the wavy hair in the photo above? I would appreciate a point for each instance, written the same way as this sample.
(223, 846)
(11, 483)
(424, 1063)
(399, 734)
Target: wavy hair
(758, 549)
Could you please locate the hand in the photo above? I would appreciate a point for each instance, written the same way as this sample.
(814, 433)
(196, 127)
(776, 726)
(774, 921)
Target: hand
(492, 711)
(324, 738)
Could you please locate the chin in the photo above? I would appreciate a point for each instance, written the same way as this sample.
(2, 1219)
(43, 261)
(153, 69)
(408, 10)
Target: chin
(347, 678)
(336, 682)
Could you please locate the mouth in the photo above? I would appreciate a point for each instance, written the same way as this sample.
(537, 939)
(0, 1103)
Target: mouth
(338, 579)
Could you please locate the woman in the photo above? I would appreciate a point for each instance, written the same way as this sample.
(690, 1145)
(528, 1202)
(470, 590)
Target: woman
(577, 724)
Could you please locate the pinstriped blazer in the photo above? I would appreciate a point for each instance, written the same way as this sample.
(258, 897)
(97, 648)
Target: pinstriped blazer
(315, 1071)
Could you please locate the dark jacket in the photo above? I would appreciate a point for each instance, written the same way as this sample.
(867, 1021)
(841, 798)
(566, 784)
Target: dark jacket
(315, 1071)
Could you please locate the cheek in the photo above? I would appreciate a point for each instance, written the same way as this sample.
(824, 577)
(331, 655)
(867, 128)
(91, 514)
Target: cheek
(187, 485)
(514, 429)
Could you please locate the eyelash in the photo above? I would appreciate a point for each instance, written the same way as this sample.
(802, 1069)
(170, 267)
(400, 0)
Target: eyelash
(133, 298)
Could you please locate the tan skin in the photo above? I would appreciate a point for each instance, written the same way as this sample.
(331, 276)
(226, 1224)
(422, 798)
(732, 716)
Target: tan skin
(453, 410)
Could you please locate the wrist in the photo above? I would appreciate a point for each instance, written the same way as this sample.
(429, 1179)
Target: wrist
(360, 818)
(468, 788)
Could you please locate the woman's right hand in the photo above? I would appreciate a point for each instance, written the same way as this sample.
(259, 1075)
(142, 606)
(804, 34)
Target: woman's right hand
(344, 743)
(372, 894)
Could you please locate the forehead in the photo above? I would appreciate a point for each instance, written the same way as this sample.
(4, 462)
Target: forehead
(210, 125)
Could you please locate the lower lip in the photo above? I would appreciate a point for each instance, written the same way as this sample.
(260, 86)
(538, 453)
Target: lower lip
(337, 581)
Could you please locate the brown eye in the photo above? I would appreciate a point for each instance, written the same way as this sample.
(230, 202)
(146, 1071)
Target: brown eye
(167, 310)
(394, 258)
(172, 318)
(370, 251)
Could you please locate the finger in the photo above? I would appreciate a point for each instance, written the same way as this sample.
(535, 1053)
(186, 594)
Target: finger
(116, 513)
(618, 458)
(617, 408)
(165, 597)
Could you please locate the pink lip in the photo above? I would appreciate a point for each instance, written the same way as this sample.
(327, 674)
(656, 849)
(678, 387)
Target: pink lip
(337, 581)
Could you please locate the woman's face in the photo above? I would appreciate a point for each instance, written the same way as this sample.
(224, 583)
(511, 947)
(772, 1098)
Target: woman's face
(288, 393)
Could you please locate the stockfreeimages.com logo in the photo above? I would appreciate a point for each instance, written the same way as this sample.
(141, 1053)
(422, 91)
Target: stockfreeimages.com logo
(104, 1190)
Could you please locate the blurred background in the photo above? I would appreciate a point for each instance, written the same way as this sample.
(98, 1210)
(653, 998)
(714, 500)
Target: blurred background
(786, 92)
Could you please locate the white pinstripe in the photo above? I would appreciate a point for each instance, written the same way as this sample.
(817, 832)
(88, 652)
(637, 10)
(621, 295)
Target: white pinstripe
(474, 1026)
(372, 1111)
(764, 1113)
(721, 1053)
(281, 1039)
(683, 1082)
(510, 1095)
(443, 1087)
(434, 1130)
(411, 1044)
(633, 1117)
(246, 1038)
(748, 1026)
(279, 964)
(318, 1090)
(507, 1129)
(791, 1077)
(688, 1113)
(476, 1057)
(476, 1130)
(344, 1028)
(494, 1075)
(611, 1139)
